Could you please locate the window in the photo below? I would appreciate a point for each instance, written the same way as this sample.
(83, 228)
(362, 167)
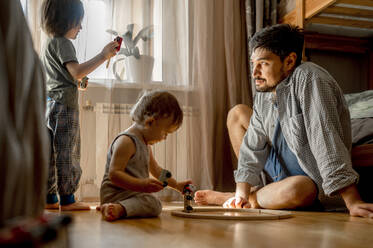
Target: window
(101, 15)
(169, 45)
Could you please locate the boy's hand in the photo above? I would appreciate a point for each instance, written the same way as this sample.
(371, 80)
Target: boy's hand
(110, 50)
(83, 83)
(150, 185)
(180, 185)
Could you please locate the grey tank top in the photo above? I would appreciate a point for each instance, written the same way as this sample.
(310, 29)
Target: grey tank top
(137, 166)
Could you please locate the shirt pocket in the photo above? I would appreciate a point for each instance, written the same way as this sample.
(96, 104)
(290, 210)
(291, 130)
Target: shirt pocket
(298, 131)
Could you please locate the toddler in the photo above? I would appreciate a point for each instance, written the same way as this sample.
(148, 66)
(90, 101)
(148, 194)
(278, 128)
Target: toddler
(126, 187)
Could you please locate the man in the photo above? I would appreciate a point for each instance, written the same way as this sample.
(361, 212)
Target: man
(299, 134)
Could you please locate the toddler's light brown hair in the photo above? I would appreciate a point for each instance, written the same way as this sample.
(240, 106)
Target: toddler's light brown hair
(157, 104)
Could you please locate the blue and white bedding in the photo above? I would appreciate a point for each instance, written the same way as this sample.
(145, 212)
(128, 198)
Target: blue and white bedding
(361, 111)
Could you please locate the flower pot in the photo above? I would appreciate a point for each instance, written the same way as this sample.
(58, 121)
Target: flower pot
(139, 70)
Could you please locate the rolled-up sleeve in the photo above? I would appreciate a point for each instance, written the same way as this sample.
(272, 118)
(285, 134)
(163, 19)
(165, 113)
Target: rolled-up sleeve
(253, 152)
(329, 139)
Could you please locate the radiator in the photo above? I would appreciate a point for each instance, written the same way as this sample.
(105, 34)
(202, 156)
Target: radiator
(101, 123)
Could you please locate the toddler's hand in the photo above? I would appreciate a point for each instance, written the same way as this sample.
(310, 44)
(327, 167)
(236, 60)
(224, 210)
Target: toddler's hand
(110, 50)
(150, 185)
(180, 185)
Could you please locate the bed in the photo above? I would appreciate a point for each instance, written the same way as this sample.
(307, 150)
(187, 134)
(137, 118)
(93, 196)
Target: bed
(344, 26)
(361, 111)
(333, 25)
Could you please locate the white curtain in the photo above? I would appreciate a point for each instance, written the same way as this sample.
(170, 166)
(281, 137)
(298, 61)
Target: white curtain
(204, 69)
(106, 104)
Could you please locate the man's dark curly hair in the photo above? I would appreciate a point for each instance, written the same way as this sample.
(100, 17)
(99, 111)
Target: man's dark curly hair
(280, 39)
(59, 16)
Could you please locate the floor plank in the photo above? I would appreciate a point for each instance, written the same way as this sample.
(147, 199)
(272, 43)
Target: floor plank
(305, 229)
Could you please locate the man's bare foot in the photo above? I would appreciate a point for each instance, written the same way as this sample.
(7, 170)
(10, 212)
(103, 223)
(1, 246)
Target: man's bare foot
(210, 197)
(75, 206)
(253, 200)
(52, 206)
(112, 211)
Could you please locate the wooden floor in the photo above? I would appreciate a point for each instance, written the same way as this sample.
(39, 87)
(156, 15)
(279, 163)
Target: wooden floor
(304, 229)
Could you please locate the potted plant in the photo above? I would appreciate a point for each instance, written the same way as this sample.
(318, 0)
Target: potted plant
(139, 67)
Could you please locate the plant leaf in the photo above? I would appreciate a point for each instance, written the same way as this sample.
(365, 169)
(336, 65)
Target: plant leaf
(113, 32)
(128, 40)
(136, 53)
(143, 34)
(130, 29)
(126, 52)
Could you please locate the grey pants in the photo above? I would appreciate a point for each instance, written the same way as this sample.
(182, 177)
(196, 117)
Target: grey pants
(64, 168)
(136, 204)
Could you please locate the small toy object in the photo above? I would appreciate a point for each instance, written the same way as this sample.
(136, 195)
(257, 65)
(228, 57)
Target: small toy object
(119, 40)
(34, 232)
(83, 83)
(244, 214)
(188, 192)
(164, 176)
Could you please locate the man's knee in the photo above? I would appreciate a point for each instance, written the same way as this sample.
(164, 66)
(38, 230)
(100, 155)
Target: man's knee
(239, 115)
(301, 191)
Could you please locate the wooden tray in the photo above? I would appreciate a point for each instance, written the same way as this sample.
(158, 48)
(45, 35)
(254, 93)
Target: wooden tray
(220, 213)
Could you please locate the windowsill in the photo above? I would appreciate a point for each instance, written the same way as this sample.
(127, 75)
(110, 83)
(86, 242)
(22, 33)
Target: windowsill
(112, 83)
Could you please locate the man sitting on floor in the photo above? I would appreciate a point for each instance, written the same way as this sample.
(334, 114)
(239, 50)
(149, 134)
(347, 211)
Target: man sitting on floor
(299, 134)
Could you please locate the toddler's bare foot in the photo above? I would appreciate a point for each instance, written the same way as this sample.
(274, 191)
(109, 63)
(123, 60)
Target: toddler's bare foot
(75, 206)
(112, 211)
(210, 197)
(52, 206)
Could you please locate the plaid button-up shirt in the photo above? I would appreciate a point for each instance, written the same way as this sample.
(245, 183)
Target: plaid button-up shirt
(315, 122)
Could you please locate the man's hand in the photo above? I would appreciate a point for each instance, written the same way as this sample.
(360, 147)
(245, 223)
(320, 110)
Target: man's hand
(150, 185)
(361, 209)
(236, 202)
(355, 205)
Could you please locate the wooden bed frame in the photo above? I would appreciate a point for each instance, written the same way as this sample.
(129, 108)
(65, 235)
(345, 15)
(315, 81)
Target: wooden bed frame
(328, 12)
(307, 11)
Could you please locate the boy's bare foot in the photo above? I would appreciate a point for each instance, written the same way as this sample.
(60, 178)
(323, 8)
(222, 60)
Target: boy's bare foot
(52, 206)
(210, 197)
(111, 211)
(75, 206)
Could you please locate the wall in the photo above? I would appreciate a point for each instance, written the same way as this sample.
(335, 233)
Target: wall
(349, 69)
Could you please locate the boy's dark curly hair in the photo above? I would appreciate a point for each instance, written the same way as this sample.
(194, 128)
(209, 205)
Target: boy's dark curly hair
(59, 16)
(281, 39)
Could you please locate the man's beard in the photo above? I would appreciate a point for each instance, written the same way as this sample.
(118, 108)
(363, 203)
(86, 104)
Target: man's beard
(267, 88)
